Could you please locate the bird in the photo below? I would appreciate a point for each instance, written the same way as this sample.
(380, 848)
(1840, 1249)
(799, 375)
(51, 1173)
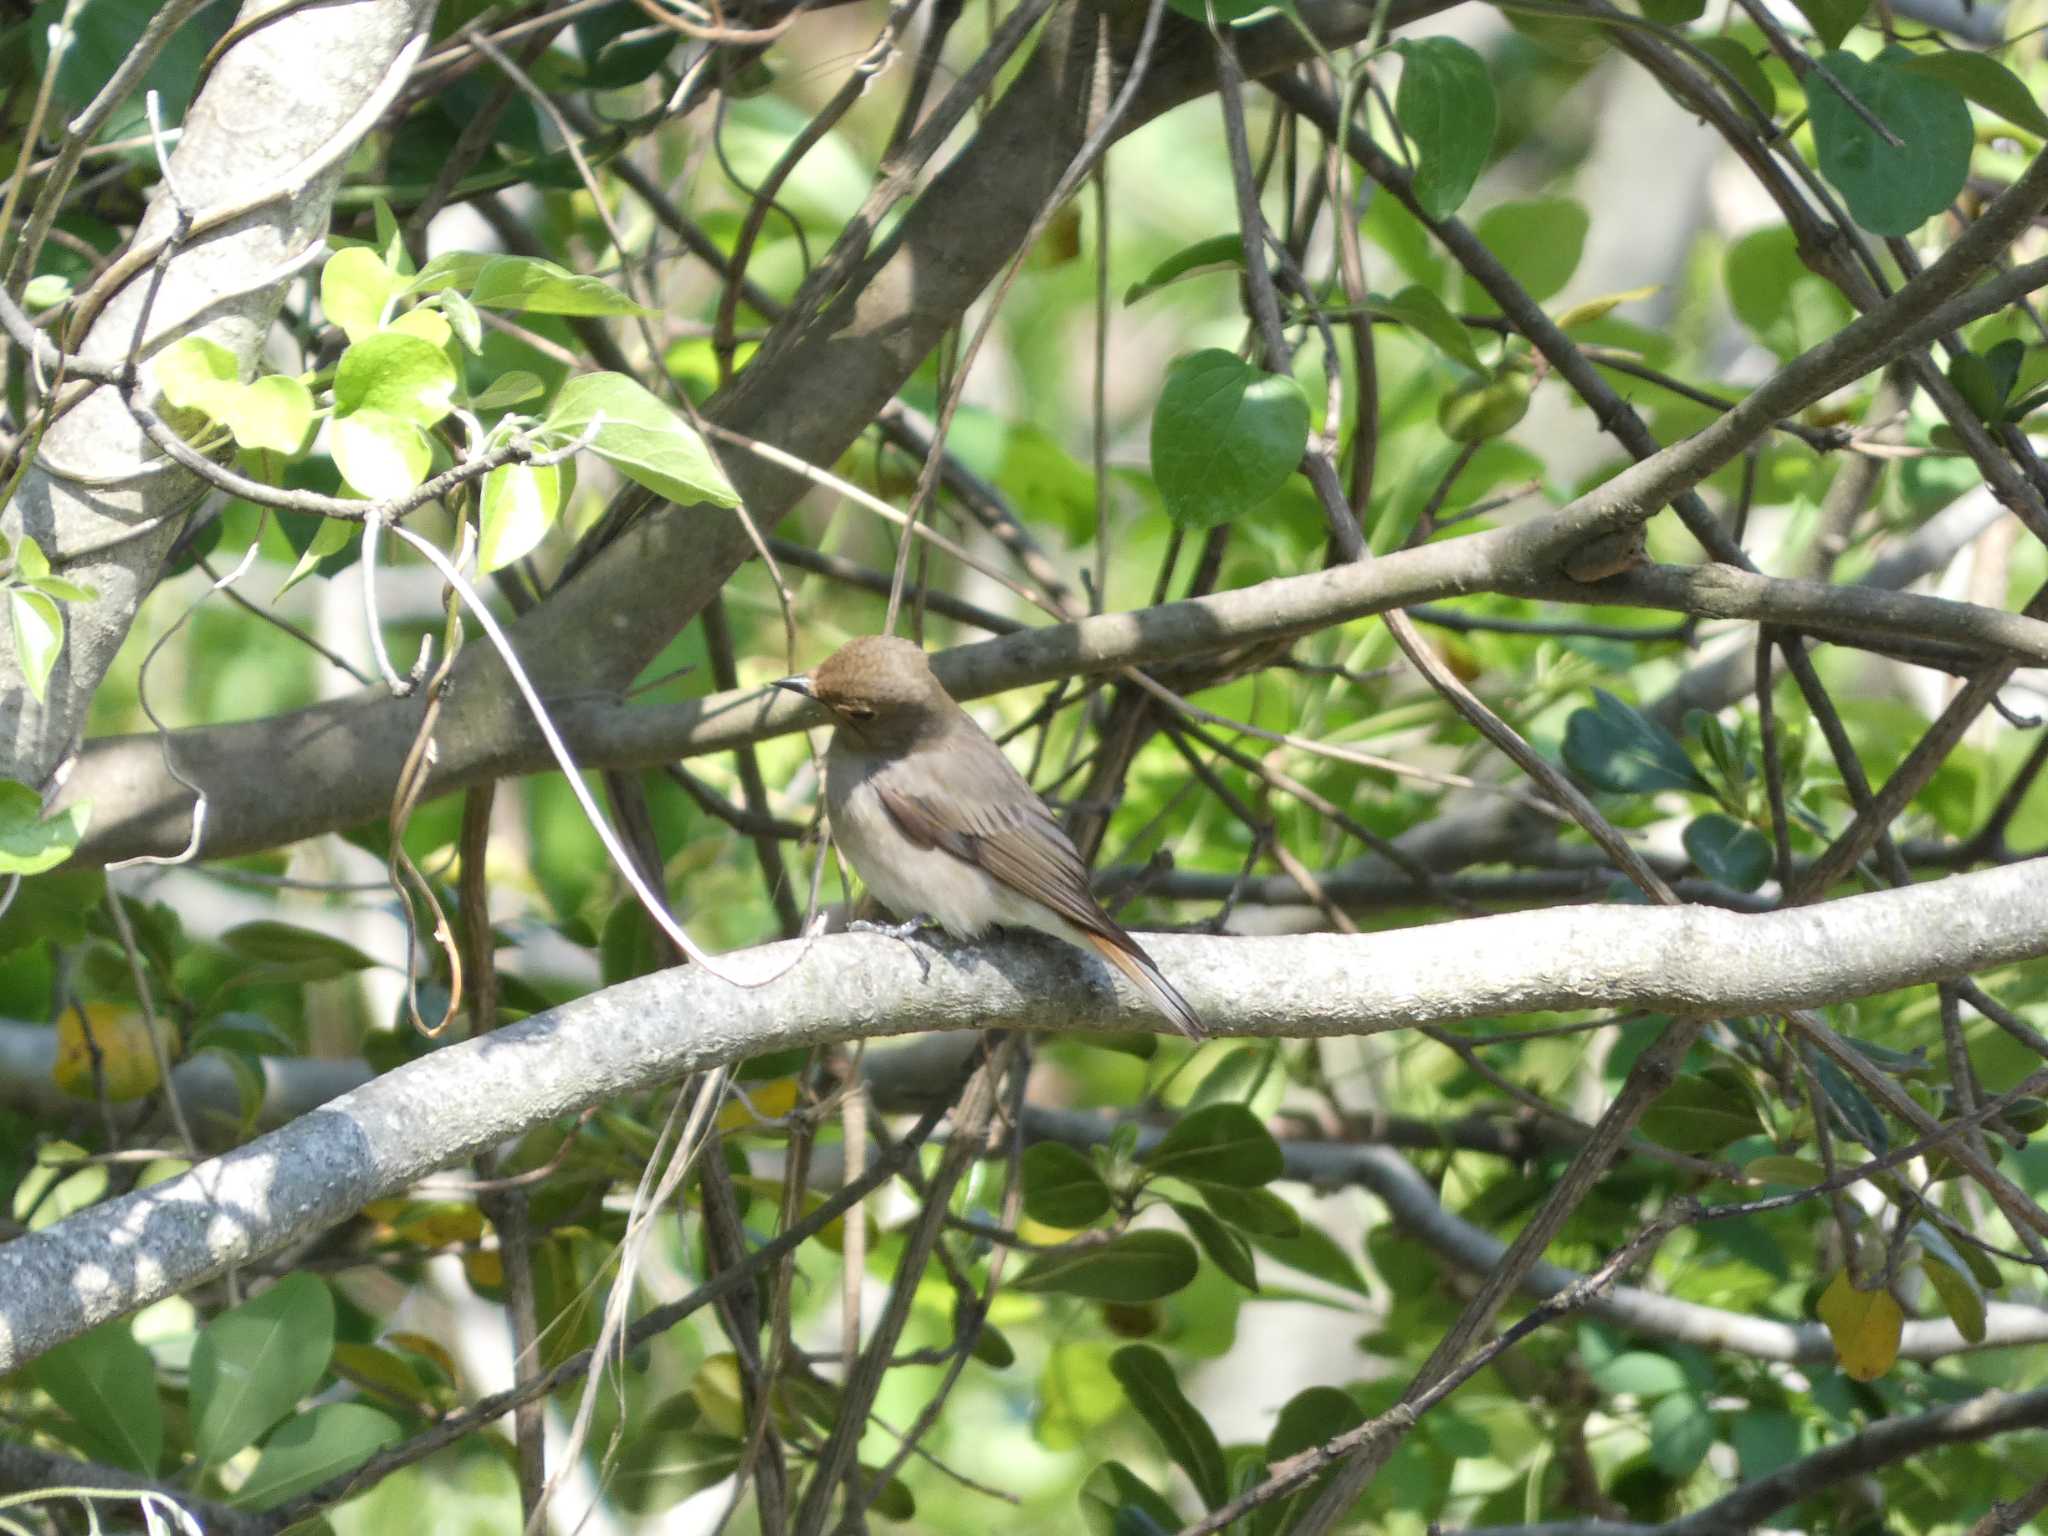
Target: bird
(941, 828)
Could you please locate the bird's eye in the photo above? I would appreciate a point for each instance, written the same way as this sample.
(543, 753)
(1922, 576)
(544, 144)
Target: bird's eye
(858, 712)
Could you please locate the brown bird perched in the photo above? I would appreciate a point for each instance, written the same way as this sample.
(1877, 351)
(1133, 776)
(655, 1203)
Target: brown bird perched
(941, 828)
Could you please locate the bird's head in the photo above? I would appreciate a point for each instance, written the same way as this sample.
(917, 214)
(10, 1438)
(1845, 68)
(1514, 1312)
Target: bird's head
(880, 688)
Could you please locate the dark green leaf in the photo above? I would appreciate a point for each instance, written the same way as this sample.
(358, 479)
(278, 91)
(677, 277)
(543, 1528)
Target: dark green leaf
(1309, 1419)
(307, 1451)
(1640, 1373)
(1616, 747)
(252, 1364)
(1062, 1187)
(1831, 19)
(1701, 1113)
(1858, 1115)
(1116, 1502)
(283, 944)
(1150, 1382)
(1983, 80)
(1953, 1281)
(1256, 1211)
(1682, 1431)
(1753, 93)
(894, 1501)
(107, 1383)
(1890, 189)
(1225, 437)
(1139, 1266)
(1314, 1252)
(1445, 105)
(1221, 1144)
(1729, 852)
(1227, 1251)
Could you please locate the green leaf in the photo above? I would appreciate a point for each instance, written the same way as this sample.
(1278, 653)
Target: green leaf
(1445, 105)
(1222, 1144)
(1256, 1211)
(642, 438)
(1150, 1383)
(397, 374)
(1682, 1431)
(542, 288)
(38, 636)
(196, 374)
(1228, 13)
(334, 1438)
(1858, 1114)
(1062, 1187)
(1539, 242)
(252, 1364)
(463, 320)
(1227, 1251)
(894, 1500)
(1614, 746)
(1831, 19)
(1674, 13)
(1116, 1502)
(1139, 1266)
(1640, 1373)
(520, 504)
(1788, 307)
(1225, 437)
(1953, 1281)
(271, 943)
(51, 288)
(355, 286)
(275, 413)
(1701, 1113)
(29, 560)
(29, 842)
(1757, 97)
(1309, 1419)
(390, 239)
(1983, 80)
(510, 388)
(329, 538)
(107, 1383)
(1314, 1252)
(1427, 315)
(1219, 253)
(451, 269)
(1890, 189)
(1729, 852)
(380, 455)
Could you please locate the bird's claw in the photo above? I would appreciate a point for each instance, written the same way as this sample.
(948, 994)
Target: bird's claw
(906, 933)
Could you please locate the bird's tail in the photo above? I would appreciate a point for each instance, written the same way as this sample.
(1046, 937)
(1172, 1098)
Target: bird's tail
(1137, 965)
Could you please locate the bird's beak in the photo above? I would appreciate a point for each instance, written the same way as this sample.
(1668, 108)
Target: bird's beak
(801, 683)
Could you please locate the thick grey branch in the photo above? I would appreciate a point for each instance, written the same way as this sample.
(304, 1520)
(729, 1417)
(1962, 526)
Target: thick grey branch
(293, 1182)
(268, 118)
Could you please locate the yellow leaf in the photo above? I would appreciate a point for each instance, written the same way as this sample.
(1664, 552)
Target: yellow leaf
(122, 1040)
(1598, 309)
(762, 1102)
(716, 1388)
(1865, 1326)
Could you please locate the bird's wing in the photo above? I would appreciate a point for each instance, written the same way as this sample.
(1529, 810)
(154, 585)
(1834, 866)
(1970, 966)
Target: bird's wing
(1015, 841)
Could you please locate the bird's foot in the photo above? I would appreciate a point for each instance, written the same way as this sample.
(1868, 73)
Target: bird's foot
(906, 933)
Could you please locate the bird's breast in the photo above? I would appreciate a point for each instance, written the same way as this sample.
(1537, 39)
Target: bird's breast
(911, 880)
